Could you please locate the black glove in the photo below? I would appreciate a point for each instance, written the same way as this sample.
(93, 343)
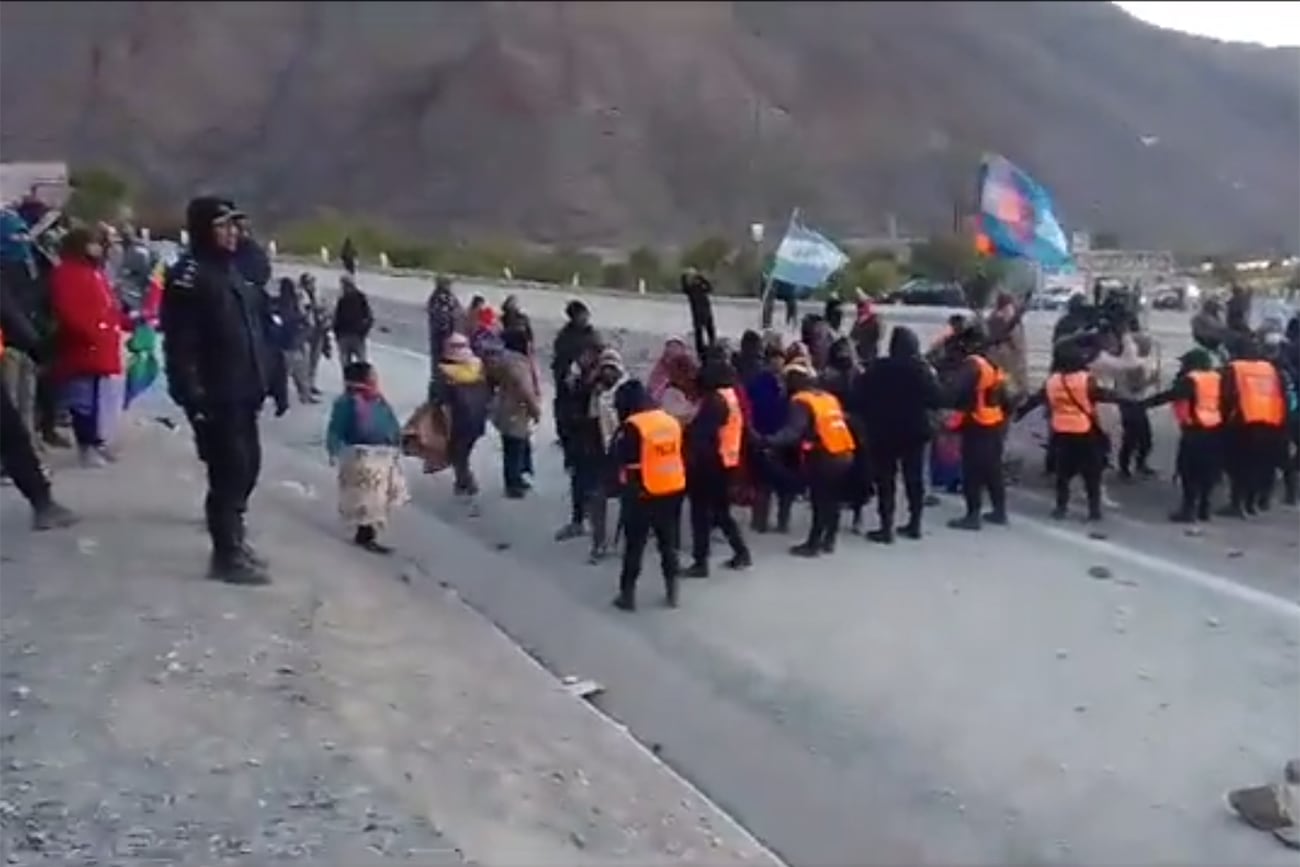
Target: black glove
(281, 405)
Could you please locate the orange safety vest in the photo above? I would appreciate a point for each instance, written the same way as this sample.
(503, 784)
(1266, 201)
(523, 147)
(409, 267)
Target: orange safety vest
(985, 414)
(828, 421)
(1069, 403)
(663, 473)
(730, 435)
(1203, 411)
(1259, 393)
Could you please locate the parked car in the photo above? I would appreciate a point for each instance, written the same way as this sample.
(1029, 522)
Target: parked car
(927, 293)
(1055, 298)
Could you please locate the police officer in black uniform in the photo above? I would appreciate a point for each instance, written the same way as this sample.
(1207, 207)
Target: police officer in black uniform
(219, 372)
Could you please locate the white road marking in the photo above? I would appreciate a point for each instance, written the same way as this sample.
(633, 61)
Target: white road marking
(1206, 580)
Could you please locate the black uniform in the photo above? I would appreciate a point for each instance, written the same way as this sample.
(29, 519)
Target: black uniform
(981, 450)
(825, 474)
(641, 514)
(1198, 461)
(709, 485)
(218, 368)
(17, 454)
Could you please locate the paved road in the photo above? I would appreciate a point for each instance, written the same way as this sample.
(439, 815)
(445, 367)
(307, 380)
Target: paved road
(355, 712)
(971, 699)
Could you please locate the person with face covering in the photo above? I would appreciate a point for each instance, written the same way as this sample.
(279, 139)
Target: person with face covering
(583, 448)
(218, 366)
(652, 475)
(294, 337)
(714, 439)
(88, 344)
(460, 389)
(897, 397)
(765, 395)
(674, 348)
(816, 425)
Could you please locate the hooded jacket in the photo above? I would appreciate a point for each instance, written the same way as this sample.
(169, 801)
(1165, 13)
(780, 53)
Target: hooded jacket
(216, 353)
(352, 316)
(895, 396)
(461, 388)
(88, 321)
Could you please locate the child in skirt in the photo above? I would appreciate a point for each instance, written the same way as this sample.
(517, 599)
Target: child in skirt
(363, 440)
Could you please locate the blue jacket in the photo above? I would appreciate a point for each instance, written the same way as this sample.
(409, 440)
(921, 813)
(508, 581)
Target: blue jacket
(361, 419)
(15, 245)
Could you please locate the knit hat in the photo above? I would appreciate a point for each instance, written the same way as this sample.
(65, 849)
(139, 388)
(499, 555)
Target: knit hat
(457, 348)
(610, 357)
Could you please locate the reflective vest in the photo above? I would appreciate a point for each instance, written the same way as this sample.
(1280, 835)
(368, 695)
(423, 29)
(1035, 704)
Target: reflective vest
(1259, 393)
(663, 472)
(1203, 410)
(730, 435)
(985, 414)
(832, 430)
(1069, 403)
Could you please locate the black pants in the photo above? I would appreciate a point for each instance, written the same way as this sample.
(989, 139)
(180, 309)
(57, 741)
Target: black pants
(516, 460)
(981, 469)
(889, 459)
(1079, 455)
(230, 446)
(1135, 442)
(1252, 455)
(1198, 464)
(1291, 464)
(47, 404)
(460, 451)
(18, 455)
(825, 494)
(710, 499)
(641, 518)
(791, 310)
(702, 325)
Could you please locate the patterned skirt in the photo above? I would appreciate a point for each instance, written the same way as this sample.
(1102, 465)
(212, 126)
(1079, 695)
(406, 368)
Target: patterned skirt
(371, 485)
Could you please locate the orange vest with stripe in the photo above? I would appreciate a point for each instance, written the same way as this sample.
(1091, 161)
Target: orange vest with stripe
(663, 472)
(832, 430)
(1259, 393)
(1203, 410)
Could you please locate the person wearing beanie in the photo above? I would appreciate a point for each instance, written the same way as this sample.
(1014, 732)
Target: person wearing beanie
(652, 476)
(219, 372)
(609, 375)
(1197, 395)
(817, 426)
(977, 390)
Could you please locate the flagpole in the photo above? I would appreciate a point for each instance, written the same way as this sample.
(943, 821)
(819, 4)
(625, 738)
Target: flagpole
(767, 280)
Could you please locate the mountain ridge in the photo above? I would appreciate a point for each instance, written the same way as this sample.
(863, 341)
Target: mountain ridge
(617, 123)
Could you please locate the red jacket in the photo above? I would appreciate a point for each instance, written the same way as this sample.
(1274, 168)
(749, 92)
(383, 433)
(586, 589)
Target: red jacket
(88, 322)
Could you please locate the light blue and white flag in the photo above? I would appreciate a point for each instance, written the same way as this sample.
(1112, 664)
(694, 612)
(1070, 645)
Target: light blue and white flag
(806, 258)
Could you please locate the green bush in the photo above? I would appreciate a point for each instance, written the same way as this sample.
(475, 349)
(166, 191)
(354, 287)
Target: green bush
(98, 194)
(617, 275)
(644, 264)
(707, 255)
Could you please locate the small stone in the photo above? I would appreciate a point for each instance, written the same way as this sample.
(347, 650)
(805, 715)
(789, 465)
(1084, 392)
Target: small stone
(253, 763)
(1099, 535)
(175, 667)
(502, 546)
(1101, 573)
(1062, 653)
(87, 546)
(1213, 622)
(578, 840)
(1193, 532)
(21, 692)
(1143, 674)
(1234, 553)
(1080, 708)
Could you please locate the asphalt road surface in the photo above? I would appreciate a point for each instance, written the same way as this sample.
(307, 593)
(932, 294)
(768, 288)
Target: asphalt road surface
(1028, 695)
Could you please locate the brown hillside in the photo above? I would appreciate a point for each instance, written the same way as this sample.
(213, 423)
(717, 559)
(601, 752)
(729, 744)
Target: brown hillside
(610, 122)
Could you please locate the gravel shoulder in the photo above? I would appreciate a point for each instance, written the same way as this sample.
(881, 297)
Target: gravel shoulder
(355, 712)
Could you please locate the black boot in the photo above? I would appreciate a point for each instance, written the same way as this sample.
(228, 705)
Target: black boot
(1182, 516)
(998, 519)
(625, 602)
(883, 536)
(741, 560)
(51, 516)
(807, 549)
(698, 569)
(967, 522)
(235, 568)
(670, 593)
(912, 530)
(783, 508)
(367, 538)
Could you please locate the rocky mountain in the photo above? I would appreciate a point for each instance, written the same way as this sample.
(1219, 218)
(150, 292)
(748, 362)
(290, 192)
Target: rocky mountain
(618, 122)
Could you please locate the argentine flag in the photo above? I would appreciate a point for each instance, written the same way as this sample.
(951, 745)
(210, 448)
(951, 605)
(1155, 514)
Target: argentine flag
(806, 258)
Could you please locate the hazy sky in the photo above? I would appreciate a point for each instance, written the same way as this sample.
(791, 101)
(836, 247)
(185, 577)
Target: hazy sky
(1276, 23)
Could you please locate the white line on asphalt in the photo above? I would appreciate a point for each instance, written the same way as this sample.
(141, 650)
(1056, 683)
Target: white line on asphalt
(1205, 580)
